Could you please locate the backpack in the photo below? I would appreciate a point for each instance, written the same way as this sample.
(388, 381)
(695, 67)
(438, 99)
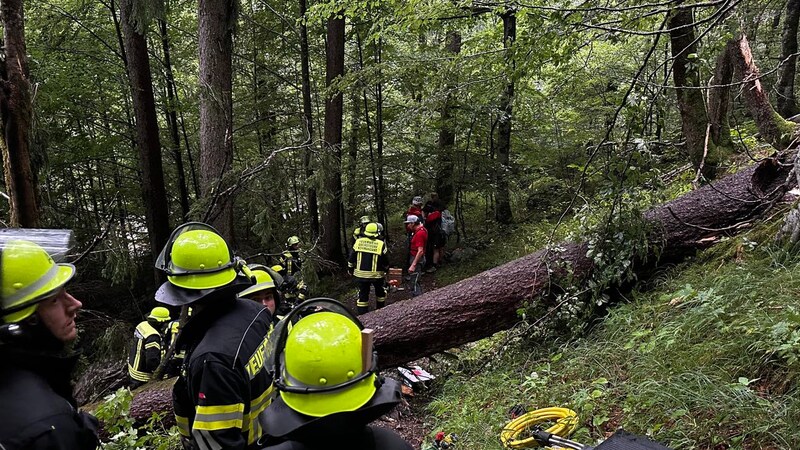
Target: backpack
(448, 222)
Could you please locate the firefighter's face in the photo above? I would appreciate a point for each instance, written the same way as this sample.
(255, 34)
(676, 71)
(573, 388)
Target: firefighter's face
(266, 298)
(58, 315)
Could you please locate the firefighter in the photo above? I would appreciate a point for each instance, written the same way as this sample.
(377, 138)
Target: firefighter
(290, 258)
(223, 384)
(37, 326)
(173, 367)
(295, 290)
(358, 232)
(368, 263)
(329, 393)
(146, 351)
(265, 291)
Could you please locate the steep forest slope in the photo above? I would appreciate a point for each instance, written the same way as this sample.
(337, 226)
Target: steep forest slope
(702, 356)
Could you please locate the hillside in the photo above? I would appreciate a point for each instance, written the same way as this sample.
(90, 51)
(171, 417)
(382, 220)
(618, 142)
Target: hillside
(702, 356)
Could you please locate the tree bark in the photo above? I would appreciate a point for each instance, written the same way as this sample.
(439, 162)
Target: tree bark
(502, 212)
(16, 112)
(787, 103)
(719, 100)
(172, 121)
(773, 128)
(305, 69)
(217, 20)
(154, 194)
(686, 76)
(447, 133)
(380, 192)
(331, 216)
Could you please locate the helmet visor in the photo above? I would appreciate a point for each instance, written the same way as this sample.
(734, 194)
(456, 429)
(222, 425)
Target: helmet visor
(164, 260)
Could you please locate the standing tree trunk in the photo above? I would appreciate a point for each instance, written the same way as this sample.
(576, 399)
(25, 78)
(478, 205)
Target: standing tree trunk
(447, 133)
(718, 102)
(502, 212)
(773, 128)
(172, 121)
(353, 184)
(217, 20)
(686, 75)
(787, 103)
(311, 190)
(16, 112)
(144, 106)
(380, 194)
(331, 216)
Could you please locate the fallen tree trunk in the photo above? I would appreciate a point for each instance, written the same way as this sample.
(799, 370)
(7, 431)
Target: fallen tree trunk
(486, 303)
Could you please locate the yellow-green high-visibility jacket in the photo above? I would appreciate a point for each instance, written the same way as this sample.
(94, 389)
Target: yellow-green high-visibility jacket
(369, 258)
(224, 385)
(145, 355)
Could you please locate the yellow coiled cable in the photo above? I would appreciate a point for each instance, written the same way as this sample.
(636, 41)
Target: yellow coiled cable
(566, 423)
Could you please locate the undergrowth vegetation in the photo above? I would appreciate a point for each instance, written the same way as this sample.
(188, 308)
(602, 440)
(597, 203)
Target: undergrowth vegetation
(707, 357)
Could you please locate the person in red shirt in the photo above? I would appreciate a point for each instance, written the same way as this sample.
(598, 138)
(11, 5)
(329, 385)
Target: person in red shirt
(416, 208)
(417, 252)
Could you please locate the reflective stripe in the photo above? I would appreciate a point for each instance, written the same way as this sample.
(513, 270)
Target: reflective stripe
(380, 299)
(9, 299)
(367, 274)
(146, 330)
(363, 304)
(205, 441)
(153, 345)
(257, 406)
(183, 425)
(218, 417)
(139, 375)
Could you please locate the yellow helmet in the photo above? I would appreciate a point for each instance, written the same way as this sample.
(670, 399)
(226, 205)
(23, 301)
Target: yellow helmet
(264, 280)
(28, 275)
(364, 220)
(371, 230)
(292, 241)
(318, 362)
(159, 314)
(197, 257)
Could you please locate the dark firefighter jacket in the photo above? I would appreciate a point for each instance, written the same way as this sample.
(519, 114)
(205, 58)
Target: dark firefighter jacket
(291, 262)
(223, 384)
(369, 259)
(290, 430)
(145, 355)
(38, 411)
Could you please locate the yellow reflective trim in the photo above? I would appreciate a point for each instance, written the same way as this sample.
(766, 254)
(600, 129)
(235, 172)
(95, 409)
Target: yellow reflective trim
(218, 417)
(152, 345)
(217, 425)
(254, 403)
(219, 409)
(183, 425)
(367, 274)
(138, 375)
